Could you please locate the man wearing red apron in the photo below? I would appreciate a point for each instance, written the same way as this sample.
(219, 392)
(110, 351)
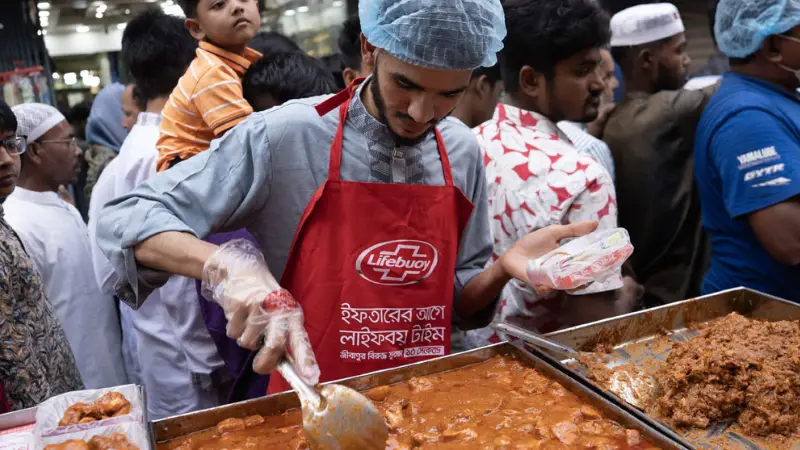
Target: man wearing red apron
(395, 307)
(369, 206)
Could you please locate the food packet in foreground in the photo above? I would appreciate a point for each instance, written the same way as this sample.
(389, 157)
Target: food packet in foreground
(591, 258)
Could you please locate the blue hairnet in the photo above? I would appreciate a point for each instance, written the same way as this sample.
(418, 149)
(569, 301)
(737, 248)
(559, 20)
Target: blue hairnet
(742, 25)
(440, 34)
(104, 126)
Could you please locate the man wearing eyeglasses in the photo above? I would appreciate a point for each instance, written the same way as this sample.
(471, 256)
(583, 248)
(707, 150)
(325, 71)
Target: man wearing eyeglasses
(28, 326)
(57, 241)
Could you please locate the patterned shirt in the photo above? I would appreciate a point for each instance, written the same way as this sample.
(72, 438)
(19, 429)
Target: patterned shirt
(537, 178)
(35, 359)
(588, 145)
(207, 102)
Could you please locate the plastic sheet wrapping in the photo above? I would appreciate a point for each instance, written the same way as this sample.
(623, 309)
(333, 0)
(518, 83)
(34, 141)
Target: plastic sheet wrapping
(133, 425)
(589, 259)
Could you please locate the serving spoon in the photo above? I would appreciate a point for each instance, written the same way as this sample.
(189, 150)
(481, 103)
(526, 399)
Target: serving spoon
(336, 417)
(635, 387)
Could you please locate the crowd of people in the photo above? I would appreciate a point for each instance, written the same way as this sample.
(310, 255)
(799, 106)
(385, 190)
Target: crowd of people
(232, 202)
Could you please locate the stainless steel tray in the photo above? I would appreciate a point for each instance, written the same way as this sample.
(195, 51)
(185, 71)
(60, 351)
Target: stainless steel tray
(644, 337)
(179, 426)
(17, 418)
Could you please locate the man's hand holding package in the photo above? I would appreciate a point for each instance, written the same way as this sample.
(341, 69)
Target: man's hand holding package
(238, 279)
(538, 243)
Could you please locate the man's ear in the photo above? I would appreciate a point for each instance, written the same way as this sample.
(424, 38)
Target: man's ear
(481, 86)
(368, 55)
(349, 75)
(195, 29)
(531, 82)
(646, 59)
(33, 153)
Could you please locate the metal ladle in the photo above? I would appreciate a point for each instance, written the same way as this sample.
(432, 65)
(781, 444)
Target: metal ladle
(638, 389)
(337, 417)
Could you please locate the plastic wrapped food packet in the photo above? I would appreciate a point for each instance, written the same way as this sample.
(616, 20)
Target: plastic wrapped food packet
(582, 261)
(126, 413)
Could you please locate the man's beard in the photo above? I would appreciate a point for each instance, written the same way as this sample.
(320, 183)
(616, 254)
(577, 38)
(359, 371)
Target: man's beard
(668, 81)
(380, 105)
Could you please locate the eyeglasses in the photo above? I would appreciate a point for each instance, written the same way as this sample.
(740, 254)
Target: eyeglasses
(15, 145)
(73, 142)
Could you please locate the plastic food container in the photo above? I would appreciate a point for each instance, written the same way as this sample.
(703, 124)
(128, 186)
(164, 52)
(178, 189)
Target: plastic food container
(133, 424)
(592, 258)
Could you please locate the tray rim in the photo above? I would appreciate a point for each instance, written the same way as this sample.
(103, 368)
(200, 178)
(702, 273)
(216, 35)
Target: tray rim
(676, 305)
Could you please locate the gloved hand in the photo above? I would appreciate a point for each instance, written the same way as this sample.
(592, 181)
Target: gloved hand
(258, 309)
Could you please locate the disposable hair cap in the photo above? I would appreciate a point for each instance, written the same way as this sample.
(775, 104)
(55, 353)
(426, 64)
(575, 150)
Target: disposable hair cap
(742, 25)
(440, 34)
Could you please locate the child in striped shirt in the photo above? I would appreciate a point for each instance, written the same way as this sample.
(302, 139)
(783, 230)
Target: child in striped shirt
(208, 99)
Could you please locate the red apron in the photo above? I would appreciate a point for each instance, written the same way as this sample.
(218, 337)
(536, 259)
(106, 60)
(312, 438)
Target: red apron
(373, 265)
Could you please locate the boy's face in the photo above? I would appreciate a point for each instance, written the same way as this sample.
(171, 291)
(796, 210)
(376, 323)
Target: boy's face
(229, 24)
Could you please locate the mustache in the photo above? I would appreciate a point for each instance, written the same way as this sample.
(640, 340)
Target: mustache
(405, 116)
(433, 122)
(594, 97)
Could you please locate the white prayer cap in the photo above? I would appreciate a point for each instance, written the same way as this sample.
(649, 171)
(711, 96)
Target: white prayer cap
(36, 119)
(643, 24)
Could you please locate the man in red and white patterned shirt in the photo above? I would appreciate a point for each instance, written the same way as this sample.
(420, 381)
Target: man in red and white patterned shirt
(536, 175)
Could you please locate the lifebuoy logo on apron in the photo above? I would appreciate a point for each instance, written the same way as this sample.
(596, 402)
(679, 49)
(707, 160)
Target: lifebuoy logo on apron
(397, 263)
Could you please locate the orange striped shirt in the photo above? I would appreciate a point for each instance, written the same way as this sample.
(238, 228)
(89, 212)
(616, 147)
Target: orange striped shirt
(205, 104)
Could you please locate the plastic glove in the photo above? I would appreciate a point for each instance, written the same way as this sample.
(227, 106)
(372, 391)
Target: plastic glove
(258, 309)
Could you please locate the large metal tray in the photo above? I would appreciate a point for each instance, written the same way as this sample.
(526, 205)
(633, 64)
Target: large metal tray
(645, 338)
(179, 426)
(17, 418)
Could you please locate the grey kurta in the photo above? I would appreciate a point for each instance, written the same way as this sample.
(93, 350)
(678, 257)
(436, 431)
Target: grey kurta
(652, 140)
(262, 174)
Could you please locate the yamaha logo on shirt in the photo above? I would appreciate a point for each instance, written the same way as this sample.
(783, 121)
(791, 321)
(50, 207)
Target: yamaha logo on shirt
(397, 263)
(756, 157)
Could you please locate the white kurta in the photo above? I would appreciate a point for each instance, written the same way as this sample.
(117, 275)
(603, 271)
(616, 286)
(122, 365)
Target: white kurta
(57, 241)
(176, 354)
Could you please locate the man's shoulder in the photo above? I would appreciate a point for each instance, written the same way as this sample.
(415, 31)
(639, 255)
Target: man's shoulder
(22, 215)
(137, 151)
(753, 106)
(138, 148)
(458, 137)
(730, 99)
(638, 113)
(14, 205)
(296, 114)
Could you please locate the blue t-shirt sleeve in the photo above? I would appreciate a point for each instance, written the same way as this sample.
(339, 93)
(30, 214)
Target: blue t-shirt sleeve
(757, 155)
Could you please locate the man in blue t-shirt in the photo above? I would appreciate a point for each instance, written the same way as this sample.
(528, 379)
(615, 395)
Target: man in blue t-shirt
(747, 151)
